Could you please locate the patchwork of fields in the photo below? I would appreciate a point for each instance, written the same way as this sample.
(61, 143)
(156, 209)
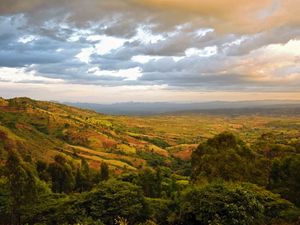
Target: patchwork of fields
(42, 129)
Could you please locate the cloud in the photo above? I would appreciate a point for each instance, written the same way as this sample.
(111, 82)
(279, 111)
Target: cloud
(274, 36)
(224, 15)
(271, 67)
(234, 15)
(207, 45)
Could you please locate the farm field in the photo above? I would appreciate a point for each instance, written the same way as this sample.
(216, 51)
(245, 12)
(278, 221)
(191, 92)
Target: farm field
(188, 130)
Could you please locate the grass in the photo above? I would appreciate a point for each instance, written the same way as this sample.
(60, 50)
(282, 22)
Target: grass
(126, 149)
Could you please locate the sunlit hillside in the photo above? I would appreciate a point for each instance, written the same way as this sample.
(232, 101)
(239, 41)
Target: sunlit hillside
(42, 129)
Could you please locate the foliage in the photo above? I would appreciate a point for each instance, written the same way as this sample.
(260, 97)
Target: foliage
(115, 198)
(150, 181)
(153, 160)
(220, 204)
(61, 175)
(104, 171)
(4, 202)
(156, 141)
(21, 188)
(159, 209)
(285, 178)
(227, 157)
(121, 221)
(230, 204)
(83, 177)
(274, 206)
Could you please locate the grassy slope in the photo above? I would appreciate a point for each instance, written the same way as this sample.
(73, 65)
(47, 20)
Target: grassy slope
(45, 128)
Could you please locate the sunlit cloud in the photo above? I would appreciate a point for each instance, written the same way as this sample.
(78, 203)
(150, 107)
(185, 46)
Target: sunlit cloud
(179, 50)
(205, 52)
(20, 75)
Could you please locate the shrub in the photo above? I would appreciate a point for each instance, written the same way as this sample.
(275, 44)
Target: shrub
(228, 204)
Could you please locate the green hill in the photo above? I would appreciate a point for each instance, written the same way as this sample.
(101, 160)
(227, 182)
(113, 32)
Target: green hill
(42, 129)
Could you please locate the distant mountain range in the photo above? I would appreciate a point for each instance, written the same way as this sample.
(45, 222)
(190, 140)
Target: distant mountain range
(216, 107)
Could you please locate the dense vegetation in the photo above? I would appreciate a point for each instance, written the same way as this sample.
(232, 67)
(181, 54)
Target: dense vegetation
(62, 165)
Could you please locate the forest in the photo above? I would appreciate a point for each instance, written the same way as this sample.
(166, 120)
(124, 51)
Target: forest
(64, 165)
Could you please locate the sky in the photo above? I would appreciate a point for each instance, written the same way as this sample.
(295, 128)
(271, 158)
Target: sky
(105, 51)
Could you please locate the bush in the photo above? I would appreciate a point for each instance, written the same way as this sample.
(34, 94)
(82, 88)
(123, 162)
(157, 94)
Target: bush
(158, 209)
(228, 158)
(115, 198)
(229, 204)
(285, 178)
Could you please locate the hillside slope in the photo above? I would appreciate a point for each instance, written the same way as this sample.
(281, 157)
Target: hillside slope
(44, 129)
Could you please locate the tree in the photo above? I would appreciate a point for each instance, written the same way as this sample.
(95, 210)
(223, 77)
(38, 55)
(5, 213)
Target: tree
(104, 171)
(159, 209)
(87, 173)
(61, 175)
(111, 199)
(83, 179)
(41, 168)
(105, 203)
(227, 204)
(79, 181)
(228, 158)
(150, 181)
(85, 168)
(4, 202)
(285, 178)
(22, 186)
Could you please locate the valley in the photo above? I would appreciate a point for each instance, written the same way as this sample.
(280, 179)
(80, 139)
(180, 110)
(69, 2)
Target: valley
(148, 169)
(42, 129)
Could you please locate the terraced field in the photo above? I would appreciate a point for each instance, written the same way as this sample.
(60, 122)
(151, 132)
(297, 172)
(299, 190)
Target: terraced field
(115, 160)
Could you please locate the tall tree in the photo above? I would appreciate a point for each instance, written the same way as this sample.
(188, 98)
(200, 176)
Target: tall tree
(150, 181)
(104, 171)
(79, 181)
(61, 175)
(87, 174)
(21, 185)
(285, 178)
